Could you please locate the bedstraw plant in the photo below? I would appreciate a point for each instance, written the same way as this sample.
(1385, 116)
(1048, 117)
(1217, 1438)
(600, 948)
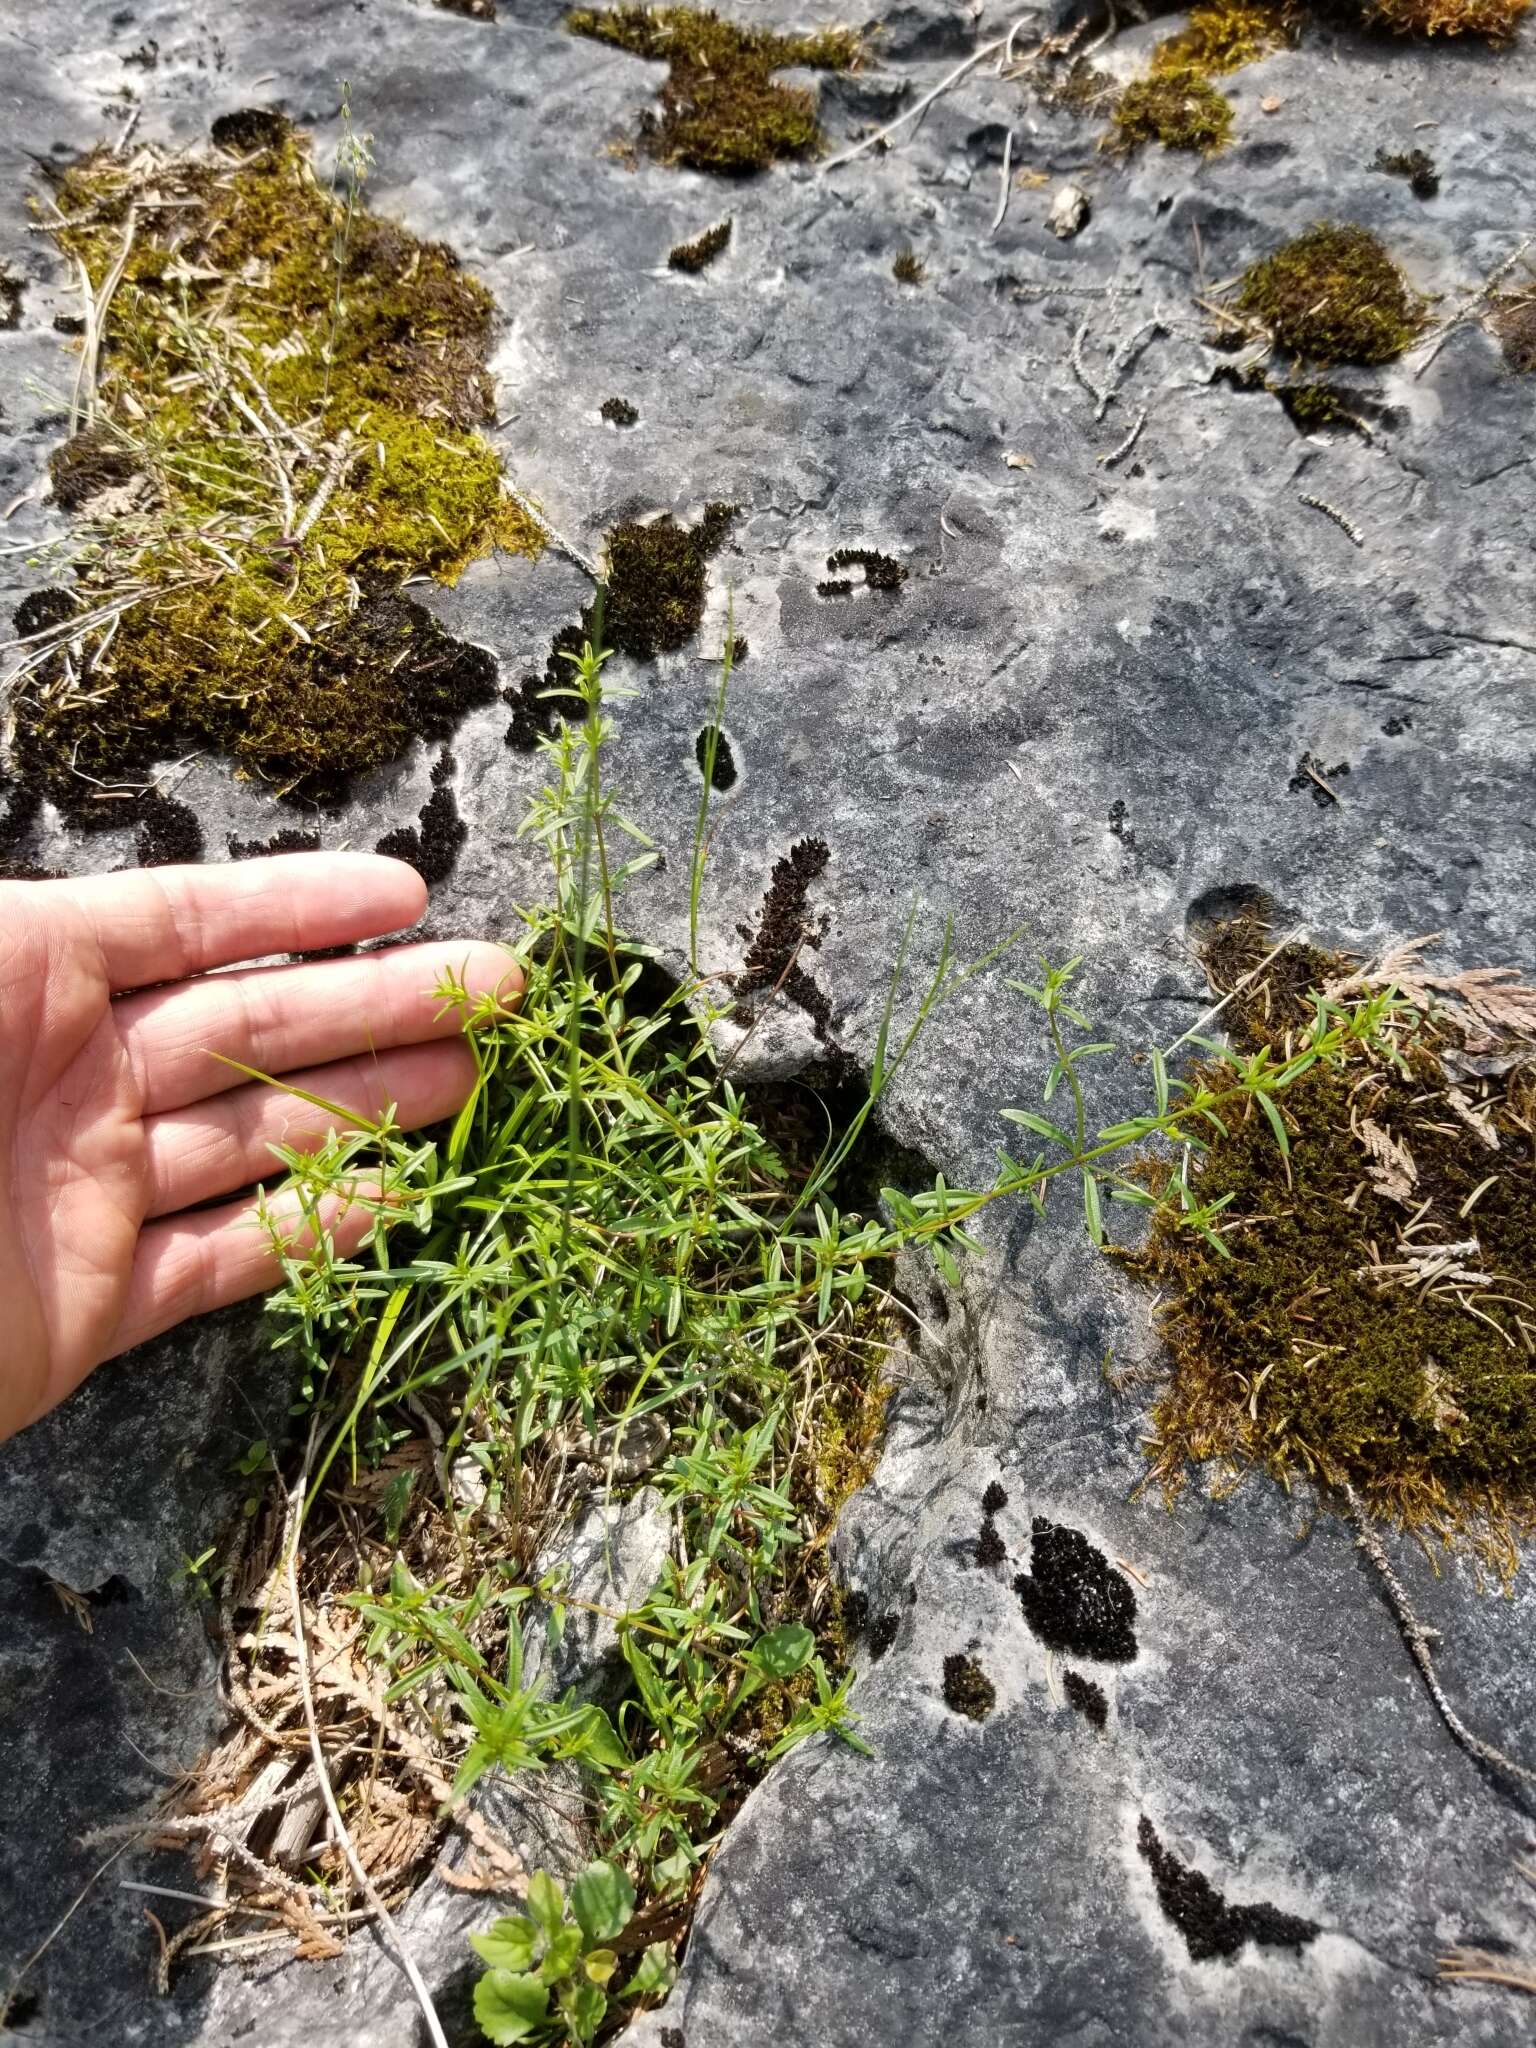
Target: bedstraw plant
(614, 1245)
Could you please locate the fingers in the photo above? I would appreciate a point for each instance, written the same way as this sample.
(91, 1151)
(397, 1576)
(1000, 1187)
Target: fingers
(159, 924)
(191, 1265)
(279, 1019)
(226, 1142)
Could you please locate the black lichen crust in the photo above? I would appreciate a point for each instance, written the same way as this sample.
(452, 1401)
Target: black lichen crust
(1087, 1697)
(289, 840)
(431, 846)
(882, 1633)
(724, 773)
(1210, 1926)
(169, 833)
(1074, 1599)
(881, 572)
(967, 1688)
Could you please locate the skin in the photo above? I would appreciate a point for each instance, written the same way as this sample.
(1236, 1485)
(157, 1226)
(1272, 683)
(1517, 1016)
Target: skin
(117, 1116)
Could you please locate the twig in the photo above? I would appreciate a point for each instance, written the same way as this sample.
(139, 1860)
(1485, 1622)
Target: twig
(916, 112)
(1119, 453)
(1080, 368)
(1436, 339)
(96, 320)
(327, 1791)
(1340, 519)
(1111, 28)
(1002, 193)
(327, 484)
(551, 533)
(1417, 1637)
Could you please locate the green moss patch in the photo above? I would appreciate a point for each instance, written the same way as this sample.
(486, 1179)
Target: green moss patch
(1374, 1320)
(721, 106)
(1224, 37)
(279, 431)
(1334, 295)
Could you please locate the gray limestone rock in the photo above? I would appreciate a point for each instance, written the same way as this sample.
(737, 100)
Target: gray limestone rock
(1080, 716)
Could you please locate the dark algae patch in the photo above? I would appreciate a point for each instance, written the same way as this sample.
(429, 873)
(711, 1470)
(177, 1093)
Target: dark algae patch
(701, 252)
(1086, 1697)
(967, 1688)
(1211, 1928)
(281, 430)
(722, 108)
(1074, 1599)
(1333, 295)
(1371, 1324)
(432, 844)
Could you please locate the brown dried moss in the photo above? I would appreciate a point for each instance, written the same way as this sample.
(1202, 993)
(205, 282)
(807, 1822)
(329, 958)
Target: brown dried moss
(1318, 1349)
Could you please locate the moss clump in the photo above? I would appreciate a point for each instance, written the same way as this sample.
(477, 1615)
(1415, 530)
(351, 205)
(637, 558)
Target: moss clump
(1222, 38)
(1334, 295)
(1210, 1927)
(657, 576)
(1416, 165)
(721, 109)
(618, 412)
(702, 251)
(1074, 1599)
(909, 267)
(881, 572)
(296, 400)
(1318, 1348)
(967, 1688)
(1178, 109)
(1086, 1697)
(1493, 20)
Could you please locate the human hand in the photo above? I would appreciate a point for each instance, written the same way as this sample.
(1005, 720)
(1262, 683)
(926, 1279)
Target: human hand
(117, 1118)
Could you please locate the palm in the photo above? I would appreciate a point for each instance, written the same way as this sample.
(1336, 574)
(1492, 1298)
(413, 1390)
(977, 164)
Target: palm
(117, 1120)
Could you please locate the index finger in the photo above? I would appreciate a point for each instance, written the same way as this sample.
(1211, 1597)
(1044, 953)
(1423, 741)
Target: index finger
(162, 924)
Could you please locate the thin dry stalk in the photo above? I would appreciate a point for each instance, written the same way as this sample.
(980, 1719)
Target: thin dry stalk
(317, 1751)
